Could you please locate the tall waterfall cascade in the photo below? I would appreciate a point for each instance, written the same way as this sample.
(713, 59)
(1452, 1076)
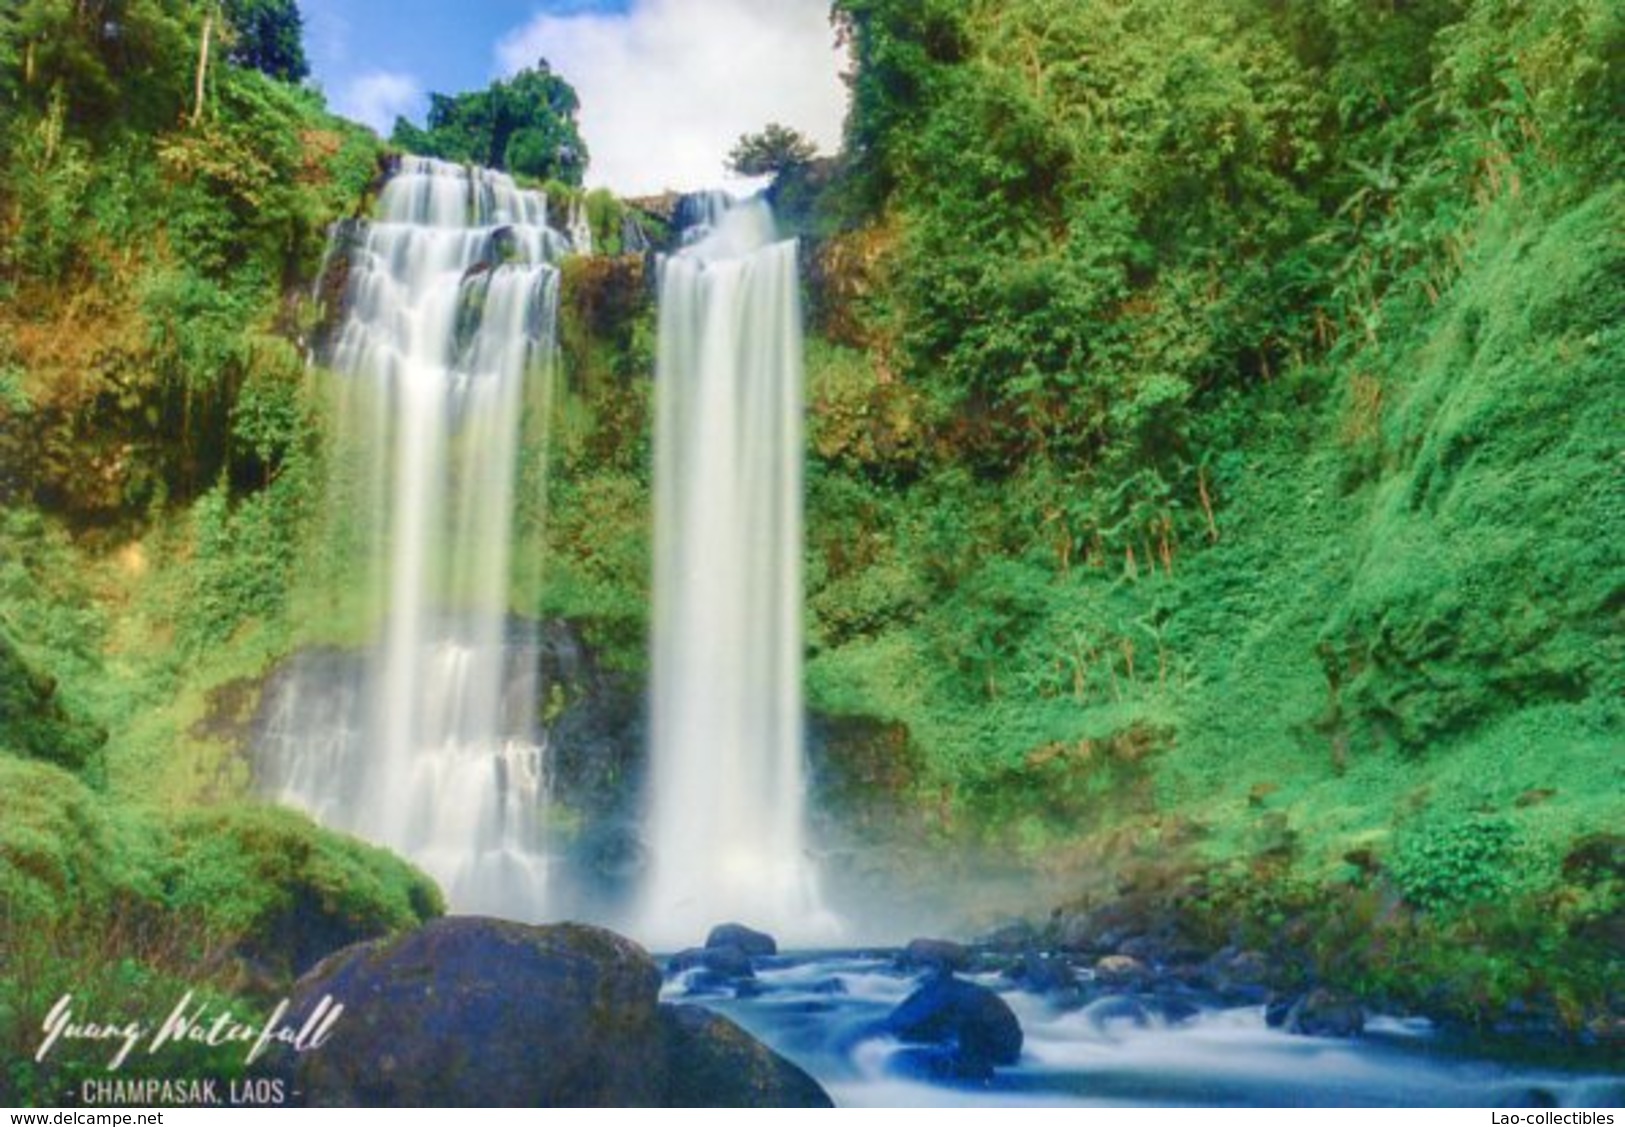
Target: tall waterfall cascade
(726, 793)
(426, 743)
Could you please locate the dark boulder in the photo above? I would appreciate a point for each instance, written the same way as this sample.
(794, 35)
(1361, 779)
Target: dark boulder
(968, 1028)
(712, 1062)
(470, 1011)
(715, 971)
(1319, 1013)
(1042, 974)
(1528, 1097)
(1116, 1011)
(1239, 975)
(1173, 1008)
(1012, 937)
(748, 940)
(934, 954)
(478, 1012)
(729, 962)
(1122, 972)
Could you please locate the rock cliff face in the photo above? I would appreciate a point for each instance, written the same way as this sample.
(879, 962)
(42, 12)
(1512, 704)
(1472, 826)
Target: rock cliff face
(479, 1012)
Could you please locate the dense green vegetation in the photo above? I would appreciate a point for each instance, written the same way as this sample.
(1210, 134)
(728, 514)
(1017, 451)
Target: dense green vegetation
(157, 463)
(1219, 235)
(1243, 377)
(525, 124)
(1214, 473)
(1211, 413)
(267, 35)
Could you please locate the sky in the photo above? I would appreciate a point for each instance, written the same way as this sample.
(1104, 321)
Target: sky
(666, 86)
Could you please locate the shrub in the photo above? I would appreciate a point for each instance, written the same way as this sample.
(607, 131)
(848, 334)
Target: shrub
(1449, 864)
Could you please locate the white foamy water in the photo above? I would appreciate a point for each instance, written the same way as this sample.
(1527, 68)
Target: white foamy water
(726, 788)
(452, 299)
(827, 1014)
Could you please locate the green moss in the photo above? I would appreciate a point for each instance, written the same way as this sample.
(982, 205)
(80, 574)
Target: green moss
(268, 881)
(232, 873)
(129, 909)
(64, 852)
(1489, 565)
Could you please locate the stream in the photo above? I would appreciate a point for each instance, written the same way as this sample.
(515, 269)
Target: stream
(822, 1011)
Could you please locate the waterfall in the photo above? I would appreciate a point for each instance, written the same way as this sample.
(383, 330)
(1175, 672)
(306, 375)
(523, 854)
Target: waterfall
(698, 214)
(580, 230)
(428, 746)
(726, 789)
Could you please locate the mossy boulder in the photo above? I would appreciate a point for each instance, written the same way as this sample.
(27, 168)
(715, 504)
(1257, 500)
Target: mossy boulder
(248, 887)
(711, 1062)
(287, 891)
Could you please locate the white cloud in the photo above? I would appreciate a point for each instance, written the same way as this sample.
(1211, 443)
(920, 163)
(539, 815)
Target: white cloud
(377, 97)
(667, 88)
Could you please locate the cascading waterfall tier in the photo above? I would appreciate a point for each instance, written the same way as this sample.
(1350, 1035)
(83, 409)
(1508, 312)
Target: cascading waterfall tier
(428, 746)
(726, 788)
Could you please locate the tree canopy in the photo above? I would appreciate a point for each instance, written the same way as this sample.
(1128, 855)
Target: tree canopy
(524, 125)
(103, 62)
(269, 36)
(770, 151)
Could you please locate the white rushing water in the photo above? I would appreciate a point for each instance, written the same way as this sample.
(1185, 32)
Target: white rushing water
(452, 298)
(1157, 1048)
(726, 788)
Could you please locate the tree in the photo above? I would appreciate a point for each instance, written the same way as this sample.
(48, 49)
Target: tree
(525, 125)
(268, 36)
(109, 62)
(776, 148)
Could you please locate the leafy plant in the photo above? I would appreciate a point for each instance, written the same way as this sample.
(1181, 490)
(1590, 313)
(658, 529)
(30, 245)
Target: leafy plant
(1454, 863)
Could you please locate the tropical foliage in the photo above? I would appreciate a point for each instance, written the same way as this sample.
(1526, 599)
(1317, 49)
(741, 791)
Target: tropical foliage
(1214, 463)
(525, 124)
